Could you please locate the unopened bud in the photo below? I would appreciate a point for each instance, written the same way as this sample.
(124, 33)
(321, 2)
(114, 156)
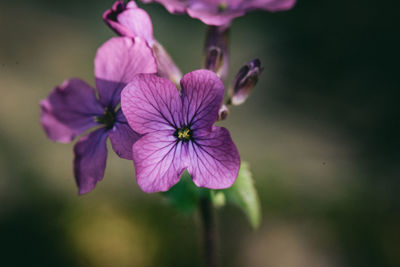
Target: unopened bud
(244, 81)
(223, 113)
(216, 50)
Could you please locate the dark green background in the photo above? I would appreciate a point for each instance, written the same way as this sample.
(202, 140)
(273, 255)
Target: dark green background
(320, 131)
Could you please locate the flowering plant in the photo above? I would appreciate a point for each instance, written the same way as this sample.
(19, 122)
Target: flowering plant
(160, 120)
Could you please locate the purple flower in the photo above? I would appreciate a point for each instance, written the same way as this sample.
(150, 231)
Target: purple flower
(73, 108)
(221, 12)
(126, 19)
(178, 132)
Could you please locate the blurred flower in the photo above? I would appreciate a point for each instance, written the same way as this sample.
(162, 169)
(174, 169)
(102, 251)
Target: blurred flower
(244, 81)
(216, 50)
(178, 131)
(73, 108)
(221, 12)
(126, 19)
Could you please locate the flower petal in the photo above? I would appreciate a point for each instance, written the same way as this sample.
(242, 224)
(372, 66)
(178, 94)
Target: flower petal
(54, 129)
(151, 104)
(90, 160)
(202, 94)
(173, 6)
(69, 110)
(159, 161)
(117, 62)
(211, 15)
(138, 23)
(214, 159)
(122, 137)
(110, 17)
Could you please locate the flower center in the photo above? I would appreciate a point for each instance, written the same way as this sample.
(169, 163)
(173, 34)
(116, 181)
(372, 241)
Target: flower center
(107, 119)
(183, 134)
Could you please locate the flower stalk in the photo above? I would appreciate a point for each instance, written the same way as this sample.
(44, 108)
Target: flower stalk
(216, 50)
(209, 232)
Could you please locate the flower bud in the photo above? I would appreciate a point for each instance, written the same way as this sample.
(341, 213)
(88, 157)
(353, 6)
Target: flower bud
(244, 81)
(216, 50)
(223, 113)
(110, 17)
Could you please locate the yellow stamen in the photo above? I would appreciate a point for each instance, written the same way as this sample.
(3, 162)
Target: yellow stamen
(184, 134)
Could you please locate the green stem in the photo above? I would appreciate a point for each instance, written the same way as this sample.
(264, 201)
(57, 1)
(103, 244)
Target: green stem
(209, 232)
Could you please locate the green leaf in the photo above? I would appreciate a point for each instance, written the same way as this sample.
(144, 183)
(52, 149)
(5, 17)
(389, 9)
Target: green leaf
(244, 195)
(184, 195)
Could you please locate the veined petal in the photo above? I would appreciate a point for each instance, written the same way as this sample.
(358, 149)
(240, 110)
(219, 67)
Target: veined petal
(90, 160)
(117, 62)
(214, 159)
(138, 23)
(151, 104)
(122, 137)
(159, 161)
(202, 95)
(69, 110)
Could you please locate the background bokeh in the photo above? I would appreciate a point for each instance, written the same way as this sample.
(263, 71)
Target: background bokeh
(320, 131)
